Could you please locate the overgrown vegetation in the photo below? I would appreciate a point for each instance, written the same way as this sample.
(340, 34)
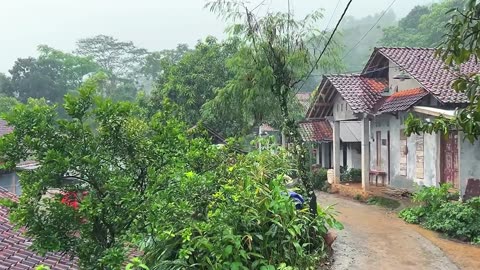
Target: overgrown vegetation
(350, 174)
(146, 183)
(319, 178)
(441, 211)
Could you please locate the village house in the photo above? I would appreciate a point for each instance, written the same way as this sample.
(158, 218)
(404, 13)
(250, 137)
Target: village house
(394, 83)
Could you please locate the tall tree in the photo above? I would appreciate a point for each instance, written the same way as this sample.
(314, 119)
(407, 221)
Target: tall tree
(194, 79)
(119, 59)
(422, 27)
(271, 64)
(459, 45)
(154, 61)
(5, 85)
(49, 76)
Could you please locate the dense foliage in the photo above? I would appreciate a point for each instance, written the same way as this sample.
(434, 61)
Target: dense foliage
(194, 80)
(441, 211)
(149, 184)
(422, 27)
(319, 178)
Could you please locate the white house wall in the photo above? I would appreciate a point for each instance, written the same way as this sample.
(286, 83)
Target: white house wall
(393, 71)
(385, 123)
(341, 110)
(469, 161)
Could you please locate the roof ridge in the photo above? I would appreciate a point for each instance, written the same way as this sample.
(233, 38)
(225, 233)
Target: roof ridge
(404, 48)
(343, 75)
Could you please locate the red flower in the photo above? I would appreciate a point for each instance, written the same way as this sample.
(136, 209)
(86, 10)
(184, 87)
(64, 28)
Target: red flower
(72, 199)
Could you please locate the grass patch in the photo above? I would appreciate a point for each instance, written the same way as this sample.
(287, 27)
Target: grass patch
(383, 202)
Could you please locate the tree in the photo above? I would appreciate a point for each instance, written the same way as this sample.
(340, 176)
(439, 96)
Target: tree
(5, 85)
(459, 46)
(193, 80)
(118, 59)
(7, 104)
(50, 76)
(271, 64)
(154, 61)
(422, 27)
(108, 155)
(113, 181)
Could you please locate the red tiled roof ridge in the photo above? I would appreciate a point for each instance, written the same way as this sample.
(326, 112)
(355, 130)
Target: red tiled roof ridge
(407, 92)
(402, 100)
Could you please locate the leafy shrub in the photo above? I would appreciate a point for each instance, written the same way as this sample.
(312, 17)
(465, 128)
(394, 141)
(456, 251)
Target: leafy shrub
(319, 178)
(249, 222)
(355, 175)
(350, 174)
(437, 210)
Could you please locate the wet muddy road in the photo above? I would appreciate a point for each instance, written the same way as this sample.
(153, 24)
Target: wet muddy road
(374, 238)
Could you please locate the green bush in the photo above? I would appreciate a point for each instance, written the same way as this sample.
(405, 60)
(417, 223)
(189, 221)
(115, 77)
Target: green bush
(437, 210)
(249, 223)
(355, 175)
(350, 174)
(319, 178)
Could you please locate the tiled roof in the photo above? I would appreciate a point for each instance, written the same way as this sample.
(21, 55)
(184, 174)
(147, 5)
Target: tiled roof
(429, 71)
(4, 128)
(316, 130)
(14, 247)
(360, 93)
(402, 100)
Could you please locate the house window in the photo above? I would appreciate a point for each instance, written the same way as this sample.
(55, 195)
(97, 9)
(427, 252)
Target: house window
(341, 107)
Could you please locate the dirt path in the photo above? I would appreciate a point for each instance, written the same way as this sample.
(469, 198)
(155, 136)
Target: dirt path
(376, 239)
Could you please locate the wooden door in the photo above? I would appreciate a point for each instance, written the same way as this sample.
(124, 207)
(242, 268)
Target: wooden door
(449, 158)
(378, 141)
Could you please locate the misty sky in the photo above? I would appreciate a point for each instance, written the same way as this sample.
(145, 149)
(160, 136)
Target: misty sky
(152, 24)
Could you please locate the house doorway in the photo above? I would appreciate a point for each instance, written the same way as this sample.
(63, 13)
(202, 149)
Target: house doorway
(449, 158)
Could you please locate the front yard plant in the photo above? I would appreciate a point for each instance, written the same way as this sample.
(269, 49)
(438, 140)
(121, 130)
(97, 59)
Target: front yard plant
(441, 211)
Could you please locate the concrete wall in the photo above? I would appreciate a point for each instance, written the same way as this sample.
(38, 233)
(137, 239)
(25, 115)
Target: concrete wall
(385, 123)
(393, 71)
(354, 157)
(469, 161)
(341, 110)
(9, 181)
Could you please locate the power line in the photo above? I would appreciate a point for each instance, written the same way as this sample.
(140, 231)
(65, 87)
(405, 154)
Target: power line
(333, 14)
(326, 45)
(371, 28)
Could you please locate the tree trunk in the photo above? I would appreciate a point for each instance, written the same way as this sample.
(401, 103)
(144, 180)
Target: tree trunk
(291, 131)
